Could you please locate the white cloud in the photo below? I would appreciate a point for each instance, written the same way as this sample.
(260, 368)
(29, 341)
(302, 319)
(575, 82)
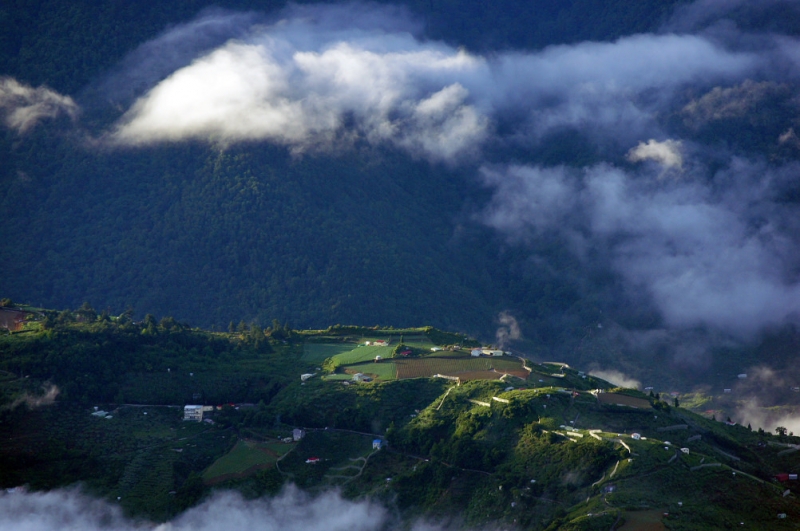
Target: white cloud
(666, 153)
(23, 106)
(173, 49)
(244, 91)
(293, 510)
(325, 73)
(529, 197)
(691, 247)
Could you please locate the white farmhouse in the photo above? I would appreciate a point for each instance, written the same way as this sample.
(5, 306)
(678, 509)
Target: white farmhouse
(194, 413)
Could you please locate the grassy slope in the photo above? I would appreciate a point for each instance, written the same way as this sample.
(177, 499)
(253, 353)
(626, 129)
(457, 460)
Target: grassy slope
(385, 370)
(319, 352)
(245, 456)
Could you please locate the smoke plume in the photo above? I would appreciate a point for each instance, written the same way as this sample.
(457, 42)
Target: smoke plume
(617, 378)
(34, 401)
(508, 330)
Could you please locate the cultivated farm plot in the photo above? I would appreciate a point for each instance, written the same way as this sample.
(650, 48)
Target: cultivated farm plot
(245, 457)
(421, 341)
(360, 354)
(470, 367)
(385, 370)
(319, 352)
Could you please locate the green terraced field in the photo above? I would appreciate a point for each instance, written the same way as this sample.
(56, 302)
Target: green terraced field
(245, 456)
(385, 370)
(361, 354)
(343, 353)
(319, 352)
(425, 367)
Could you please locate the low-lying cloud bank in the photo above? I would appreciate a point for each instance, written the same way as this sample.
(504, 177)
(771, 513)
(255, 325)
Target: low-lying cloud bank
(323, 75)
(719, 256)
(757, 415)
(292, 510)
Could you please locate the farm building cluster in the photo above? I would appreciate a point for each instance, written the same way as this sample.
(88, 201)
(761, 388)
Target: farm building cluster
(477, 352)
(197, 413)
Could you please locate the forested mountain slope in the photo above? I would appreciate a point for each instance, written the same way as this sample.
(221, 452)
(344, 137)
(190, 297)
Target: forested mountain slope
(249, 232)
(245, 233)
(615, 182)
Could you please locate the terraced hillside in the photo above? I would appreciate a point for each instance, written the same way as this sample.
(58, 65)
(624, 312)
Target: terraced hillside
(547, 448)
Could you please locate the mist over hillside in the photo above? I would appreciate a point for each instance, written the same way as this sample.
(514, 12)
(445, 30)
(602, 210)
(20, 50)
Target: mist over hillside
(620, 180)
(292, 510)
